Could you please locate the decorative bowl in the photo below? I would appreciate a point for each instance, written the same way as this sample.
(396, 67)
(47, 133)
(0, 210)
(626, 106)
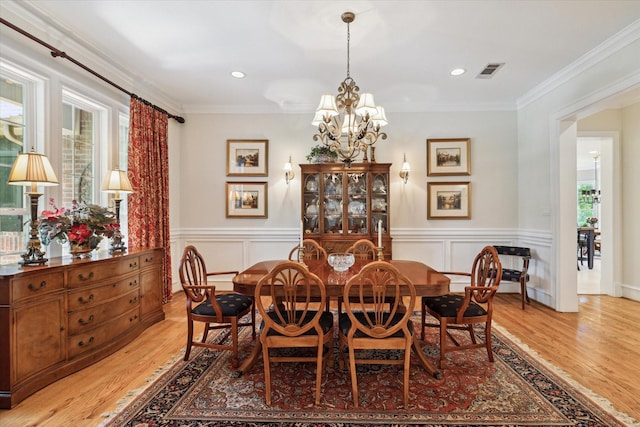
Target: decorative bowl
(341, 261)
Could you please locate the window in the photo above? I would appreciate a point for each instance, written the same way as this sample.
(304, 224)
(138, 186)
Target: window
(81, 136)
(123, 161)
(18, 94)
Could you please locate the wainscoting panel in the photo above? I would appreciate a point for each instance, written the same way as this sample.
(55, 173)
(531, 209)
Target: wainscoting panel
(443, 249)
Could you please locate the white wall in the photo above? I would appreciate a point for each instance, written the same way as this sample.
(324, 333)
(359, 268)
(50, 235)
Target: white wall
(547, 165)
(238, 243)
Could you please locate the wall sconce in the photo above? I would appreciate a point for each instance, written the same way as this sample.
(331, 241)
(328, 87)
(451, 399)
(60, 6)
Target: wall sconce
(30, 170)
(404, 171)
(288, 171)
(117, 182)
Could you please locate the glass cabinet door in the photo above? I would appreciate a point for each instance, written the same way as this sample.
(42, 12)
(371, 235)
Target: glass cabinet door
(357, 203)
(333, 206)
(380, 202)
(311, 202)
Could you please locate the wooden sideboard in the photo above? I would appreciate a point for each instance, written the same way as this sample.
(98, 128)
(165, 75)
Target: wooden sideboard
(58, 318)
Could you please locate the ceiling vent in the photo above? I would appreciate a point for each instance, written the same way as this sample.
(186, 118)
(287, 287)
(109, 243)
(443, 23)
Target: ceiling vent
(489, 70)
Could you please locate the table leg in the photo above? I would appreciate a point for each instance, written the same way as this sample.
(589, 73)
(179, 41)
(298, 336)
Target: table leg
(426, 363)
(590, 239)
(251, 359)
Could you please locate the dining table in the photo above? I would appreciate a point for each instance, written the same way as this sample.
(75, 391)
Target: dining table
(426, 280)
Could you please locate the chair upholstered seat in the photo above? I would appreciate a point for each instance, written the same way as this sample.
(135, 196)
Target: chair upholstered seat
(448, 306)
(231, 305)
(326, 321)
(345, 324)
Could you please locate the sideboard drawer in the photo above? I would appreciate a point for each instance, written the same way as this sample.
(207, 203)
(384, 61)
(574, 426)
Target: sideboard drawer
(90, 297)
(99, 337)
(94, 272)
(37, 285)
(84, 320)
(151, 258)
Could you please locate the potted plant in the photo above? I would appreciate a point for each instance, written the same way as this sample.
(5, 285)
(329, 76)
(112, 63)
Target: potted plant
(322, 154)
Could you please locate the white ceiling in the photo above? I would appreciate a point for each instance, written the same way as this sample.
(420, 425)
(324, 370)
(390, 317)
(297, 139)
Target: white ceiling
(293, 51)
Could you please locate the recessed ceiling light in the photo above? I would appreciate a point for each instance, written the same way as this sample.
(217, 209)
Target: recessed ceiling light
(238, 74)
(458, 71)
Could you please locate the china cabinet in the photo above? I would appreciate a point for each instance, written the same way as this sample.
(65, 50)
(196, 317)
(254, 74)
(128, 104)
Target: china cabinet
(343, 204)
(58, 318)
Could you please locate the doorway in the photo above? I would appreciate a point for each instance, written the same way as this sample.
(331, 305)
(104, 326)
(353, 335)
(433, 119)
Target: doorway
(593, 165)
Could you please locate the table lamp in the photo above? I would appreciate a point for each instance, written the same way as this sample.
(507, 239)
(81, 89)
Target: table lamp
(117, 182)
(30, 170)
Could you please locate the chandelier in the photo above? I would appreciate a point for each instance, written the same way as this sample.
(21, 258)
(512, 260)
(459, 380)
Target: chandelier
(349, 123)
(592, 196)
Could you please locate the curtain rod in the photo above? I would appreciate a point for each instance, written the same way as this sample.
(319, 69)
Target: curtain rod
(58, 53)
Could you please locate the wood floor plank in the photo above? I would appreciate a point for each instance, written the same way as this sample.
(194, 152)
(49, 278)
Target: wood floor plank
(599, 347)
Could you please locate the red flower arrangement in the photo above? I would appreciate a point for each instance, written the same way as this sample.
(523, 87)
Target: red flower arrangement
(83, 224)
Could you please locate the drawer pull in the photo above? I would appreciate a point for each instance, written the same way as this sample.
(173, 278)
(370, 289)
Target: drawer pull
(133, 265)
(81, 300)
(148, 260)
(86, 322)
(134, 283)
(131, 319)
(43, 285)
(83, 344)
(133, 300)
(82, 277)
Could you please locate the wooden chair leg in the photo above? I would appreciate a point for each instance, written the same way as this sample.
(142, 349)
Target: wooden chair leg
(523, 291)
(205, 334)
(424, 317)
(319, 370)
(234, 341)
(267, 374)
(187, 352)
(487, 340)
(443, 343)
(354, 380)
(407, 363)
(253, 321)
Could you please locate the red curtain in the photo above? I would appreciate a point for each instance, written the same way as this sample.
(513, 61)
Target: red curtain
(149, 174)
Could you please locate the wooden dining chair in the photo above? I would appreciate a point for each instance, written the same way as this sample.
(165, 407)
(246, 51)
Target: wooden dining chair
(292, 322)
(312, 250)
(455, 311)
(369, 323)
(363, 249)
(215, 310)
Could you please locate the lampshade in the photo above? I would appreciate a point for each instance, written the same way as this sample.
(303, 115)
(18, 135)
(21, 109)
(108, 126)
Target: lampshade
(117, 181)
(366, 105)
(327, 105)
(379, 118)
(31, 169)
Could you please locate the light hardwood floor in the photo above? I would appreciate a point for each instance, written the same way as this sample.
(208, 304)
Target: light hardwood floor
(599, 347)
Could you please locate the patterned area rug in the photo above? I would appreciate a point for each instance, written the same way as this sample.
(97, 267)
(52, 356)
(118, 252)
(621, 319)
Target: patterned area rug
(515, 390)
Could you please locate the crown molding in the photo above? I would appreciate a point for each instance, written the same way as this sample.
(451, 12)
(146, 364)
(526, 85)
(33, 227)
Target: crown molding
(623, 38)
(28, 16)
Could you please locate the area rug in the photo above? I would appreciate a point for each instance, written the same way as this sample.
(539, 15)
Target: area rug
(516, 390)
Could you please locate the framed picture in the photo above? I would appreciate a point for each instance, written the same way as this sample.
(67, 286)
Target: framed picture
(247, 157)
(449, 200)
(448, 157)
(246, 200)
